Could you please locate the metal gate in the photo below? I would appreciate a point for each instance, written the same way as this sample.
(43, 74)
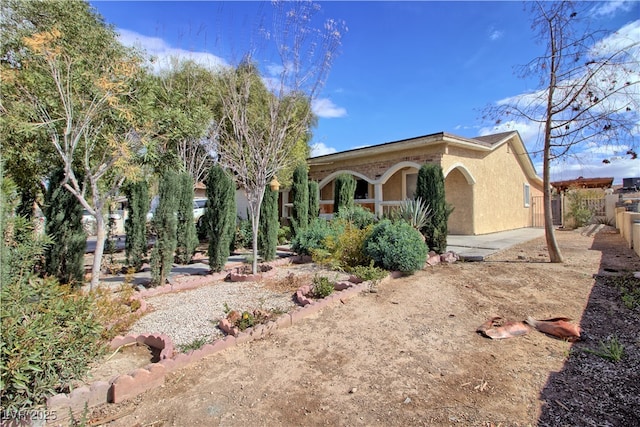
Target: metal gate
(537, 211)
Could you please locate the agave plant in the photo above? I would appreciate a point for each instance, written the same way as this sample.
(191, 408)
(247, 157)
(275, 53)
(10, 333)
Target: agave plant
(416, 212)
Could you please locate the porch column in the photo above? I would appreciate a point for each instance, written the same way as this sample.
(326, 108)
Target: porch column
(377, 199)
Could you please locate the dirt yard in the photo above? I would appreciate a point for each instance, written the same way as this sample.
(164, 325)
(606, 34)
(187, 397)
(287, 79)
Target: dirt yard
(409, 354)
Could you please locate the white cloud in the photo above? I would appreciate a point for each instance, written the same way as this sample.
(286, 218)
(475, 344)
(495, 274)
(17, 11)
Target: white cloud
(496, 34)
(611, 7)
(163, 53)
(325, 108)
(319, 149)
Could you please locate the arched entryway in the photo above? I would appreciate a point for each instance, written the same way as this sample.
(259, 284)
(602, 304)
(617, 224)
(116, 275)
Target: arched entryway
(458, 186)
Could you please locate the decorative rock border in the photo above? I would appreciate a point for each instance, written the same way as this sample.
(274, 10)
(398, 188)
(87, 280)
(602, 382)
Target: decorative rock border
(127, 386)
(302, 294)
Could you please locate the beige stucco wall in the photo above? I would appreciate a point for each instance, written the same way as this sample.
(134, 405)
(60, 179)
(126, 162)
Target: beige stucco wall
(498, 188)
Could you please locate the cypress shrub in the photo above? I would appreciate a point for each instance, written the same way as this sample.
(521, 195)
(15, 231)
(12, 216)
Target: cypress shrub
(64, 259)
(314, 200)
(430, 188)
(219, 220)
(396, 246)
(135, 227)
(186, 234)
(344, 192)
(165, 224)
(300, 195)
(269, 225)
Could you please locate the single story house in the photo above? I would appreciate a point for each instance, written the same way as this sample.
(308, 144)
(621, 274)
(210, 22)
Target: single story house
(489, 180)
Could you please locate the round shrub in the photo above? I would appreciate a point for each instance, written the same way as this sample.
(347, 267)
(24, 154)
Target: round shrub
(396, 246)
(313, 237)
(357, 215)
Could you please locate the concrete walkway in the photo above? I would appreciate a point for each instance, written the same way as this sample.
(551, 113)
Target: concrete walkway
(476, 248)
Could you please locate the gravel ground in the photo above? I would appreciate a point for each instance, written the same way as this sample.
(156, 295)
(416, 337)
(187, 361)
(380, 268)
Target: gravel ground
(193, 314)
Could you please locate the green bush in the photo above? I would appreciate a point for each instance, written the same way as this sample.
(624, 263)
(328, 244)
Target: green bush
(243, 237)
(322, 287)
(396, 246)
(268, 225)
(284, 234)
(219, 219)
(300, 198)
(578, 209)
(357, 215)
(313, 237)
(344, 192)
(369, 272)
(343, 250)
(49, 337)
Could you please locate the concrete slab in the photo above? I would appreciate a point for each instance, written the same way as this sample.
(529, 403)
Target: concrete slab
(477, 248)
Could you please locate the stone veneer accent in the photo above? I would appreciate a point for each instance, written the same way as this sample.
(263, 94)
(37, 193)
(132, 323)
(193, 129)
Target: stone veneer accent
(127, 386)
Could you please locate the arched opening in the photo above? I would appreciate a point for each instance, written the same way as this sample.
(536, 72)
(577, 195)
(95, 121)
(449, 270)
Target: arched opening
(459, 194)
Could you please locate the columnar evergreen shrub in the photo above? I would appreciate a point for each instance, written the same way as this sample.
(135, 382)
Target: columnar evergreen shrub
(269, 225)
(344, 192)
(64, 259)
(300, 196)
(165, 224)
(396, 246)
(219, 218)
(430, 188)
(186, 234)
(135, 227)
(314, 200)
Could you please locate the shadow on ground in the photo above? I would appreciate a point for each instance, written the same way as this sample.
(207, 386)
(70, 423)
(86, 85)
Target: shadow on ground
(591, 389)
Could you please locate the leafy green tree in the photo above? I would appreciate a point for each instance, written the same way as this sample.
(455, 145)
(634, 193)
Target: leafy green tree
(186, 235)
(314, 200)
(135, 226)
(184, 115)
(344, 192)
(165, 224)
(64, 259)
(430, 189)
(73, 89)
(219, 218)
(269, 225)
(300, 195)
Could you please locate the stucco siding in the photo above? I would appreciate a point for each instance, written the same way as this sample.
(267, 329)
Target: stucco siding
(499, 189)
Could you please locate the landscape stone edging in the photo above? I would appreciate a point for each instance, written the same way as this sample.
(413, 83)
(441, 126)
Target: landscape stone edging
(126, 386)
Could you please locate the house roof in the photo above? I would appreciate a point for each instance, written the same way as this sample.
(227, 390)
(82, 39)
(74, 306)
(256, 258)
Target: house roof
(581, 182)
(479, 143)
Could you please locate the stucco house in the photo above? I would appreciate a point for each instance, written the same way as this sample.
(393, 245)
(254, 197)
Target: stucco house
(489, 180)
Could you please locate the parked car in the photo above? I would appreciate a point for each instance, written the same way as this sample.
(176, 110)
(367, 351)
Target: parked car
(89, 222)
(198, 209)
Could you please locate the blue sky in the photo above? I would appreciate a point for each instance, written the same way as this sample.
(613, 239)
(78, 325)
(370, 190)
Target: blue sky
(405, 68)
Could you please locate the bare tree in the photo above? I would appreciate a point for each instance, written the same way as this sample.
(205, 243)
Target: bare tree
(589, 92)
(262, 120)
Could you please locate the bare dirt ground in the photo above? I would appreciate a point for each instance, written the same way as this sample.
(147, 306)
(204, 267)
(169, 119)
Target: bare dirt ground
(409, 354)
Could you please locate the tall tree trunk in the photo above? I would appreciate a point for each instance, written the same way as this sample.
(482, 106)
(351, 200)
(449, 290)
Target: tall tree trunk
(552, 244)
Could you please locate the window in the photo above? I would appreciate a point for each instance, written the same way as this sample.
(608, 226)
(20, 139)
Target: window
(362, 189)
(527, 196)
(411, 181)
